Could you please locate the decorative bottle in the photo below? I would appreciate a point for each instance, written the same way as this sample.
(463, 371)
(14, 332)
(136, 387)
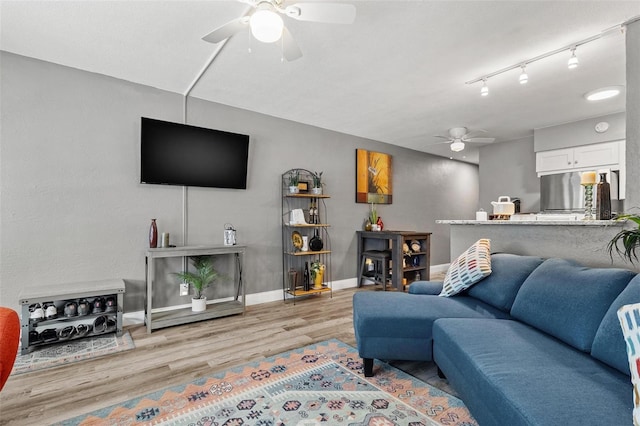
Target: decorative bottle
(306, 277)
(153, 234)
(603, 199)
(380, 223)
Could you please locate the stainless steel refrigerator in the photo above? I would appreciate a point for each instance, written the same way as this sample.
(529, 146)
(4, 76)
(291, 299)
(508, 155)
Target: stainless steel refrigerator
(562, 193)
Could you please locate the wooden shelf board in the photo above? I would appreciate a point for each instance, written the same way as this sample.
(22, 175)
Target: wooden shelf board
(306, 195)
(186, 315)
(309, 292)
(309, 225)
(414, 268)
(308, 253)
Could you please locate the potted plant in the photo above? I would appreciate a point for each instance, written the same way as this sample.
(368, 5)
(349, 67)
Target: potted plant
(204, 276)
(628, 238)
(317, 183)
(373, 218)
(294, 179)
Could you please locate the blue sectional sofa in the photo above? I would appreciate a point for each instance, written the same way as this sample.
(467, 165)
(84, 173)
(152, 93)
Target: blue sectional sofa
(537, 342)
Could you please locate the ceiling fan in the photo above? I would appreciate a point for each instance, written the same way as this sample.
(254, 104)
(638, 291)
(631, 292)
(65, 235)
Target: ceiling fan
(459, 135)
(267, 26)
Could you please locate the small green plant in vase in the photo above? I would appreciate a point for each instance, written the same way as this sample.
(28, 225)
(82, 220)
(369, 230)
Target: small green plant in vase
(373, 218)
(204, 276)
(294, 179)
(317, 183)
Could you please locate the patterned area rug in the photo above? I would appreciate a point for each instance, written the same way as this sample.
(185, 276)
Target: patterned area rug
(316, 385)
(72, 351)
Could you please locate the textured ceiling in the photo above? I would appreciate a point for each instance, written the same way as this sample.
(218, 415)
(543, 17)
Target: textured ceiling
(396, 75)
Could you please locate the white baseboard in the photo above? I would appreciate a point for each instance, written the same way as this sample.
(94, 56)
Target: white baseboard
(133, 318)
(439, 269)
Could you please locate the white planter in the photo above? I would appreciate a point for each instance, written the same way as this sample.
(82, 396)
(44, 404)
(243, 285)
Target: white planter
(316, 190)
(199, 305)
(294, 189)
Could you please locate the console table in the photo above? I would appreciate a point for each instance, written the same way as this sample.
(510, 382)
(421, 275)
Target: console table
(383, 240)
(177, 316)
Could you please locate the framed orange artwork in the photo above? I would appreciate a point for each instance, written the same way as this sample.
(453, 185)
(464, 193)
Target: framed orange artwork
(373, 177)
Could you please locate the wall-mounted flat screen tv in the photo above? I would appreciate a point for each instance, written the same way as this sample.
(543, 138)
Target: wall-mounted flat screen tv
(179, 154)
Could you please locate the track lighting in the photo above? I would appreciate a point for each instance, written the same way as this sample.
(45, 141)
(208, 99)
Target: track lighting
(523, 76)
(573, 60)
(572, 63)
(484, 90)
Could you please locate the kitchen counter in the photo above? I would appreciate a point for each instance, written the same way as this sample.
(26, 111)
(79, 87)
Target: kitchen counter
(584, 241)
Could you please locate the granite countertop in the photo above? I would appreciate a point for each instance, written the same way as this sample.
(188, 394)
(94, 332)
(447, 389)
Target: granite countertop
(533, 222)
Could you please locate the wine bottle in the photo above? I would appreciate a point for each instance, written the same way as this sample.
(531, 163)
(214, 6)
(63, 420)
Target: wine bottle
(603, 199)
(312, 212)
(307, 277)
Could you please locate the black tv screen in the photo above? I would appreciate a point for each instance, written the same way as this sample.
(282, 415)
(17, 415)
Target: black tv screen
(179, 154)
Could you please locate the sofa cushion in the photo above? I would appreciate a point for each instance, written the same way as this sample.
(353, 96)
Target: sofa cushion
(508, 373)
(508, 272)
(426, 287)
(568, 300)
(629, 316)
(469, 268)
(390, 325)
(608, 345)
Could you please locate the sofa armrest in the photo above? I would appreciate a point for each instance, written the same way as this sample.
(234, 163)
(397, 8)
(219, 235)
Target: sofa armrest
(426, 287)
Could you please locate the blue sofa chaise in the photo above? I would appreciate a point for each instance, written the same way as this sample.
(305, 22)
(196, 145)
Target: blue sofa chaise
(537, 342)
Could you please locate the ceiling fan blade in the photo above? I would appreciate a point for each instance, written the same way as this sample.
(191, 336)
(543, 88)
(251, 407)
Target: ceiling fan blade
(227, 30)
(474, 133)
(290, 49)
(439, 142)
(480, 140)
(331, 13)
(443, 137)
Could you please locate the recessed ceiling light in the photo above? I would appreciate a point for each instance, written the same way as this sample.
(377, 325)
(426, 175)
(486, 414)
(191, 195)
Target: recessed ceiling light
(603, 93)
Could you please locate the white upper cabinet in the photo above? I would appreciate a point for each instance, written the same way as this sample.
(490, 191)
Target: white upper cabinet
(607, 155)
(557, 159)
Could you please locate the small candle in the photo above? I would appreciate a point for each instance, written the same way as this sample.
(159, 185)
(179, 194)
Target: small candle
(588, 178)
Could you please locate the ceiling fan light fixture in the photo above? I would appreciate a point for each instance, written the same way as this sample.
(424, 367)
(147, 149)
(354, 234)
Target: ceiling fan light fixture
(523, 76)
(457, 146)
(266, 25)
(573, 60)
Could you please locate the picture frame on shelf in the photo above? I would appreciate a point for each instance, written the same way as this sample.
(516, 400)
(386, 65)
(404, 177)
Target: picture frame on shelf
(303, 187)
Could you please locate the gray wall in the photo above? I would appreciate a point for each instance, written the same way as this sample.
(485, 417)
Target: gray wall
(72, 207)
(509, 168)
(579, 133)
(632, 202)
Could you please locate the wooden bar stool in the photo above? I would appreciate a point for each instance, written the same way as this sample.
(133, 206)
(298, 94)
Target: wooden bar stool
(380, 259)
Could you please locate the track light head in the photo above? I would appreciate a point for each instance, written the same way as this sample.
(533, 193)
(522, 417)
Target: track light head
(573, 60)
(484, 90)
(523, 76)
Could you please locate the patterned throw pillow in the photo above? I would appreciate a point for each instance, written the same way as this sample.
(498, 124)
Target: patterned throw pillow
(469, 268)
(629, 316)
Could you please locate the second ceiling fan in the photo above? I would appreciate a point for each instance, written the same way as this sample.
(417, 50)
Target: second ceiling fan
(458, 136)
(267, 25)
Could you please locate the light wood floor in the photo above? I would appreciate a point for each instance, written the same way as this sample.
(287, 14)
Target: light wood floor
(174, 355)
